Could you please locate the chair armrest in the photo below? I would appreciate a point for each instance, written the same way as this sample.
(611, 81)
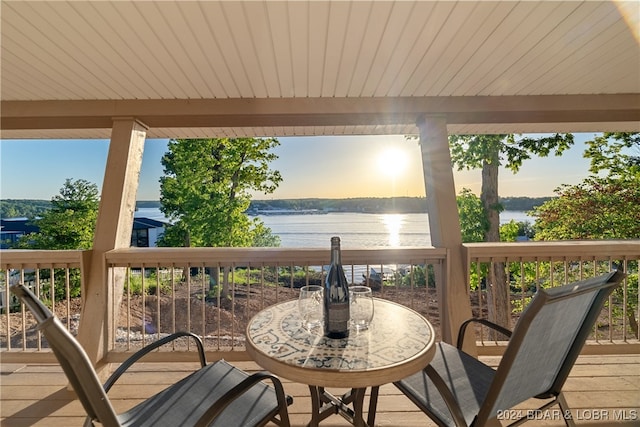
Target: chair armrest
(149, 348)
(485, 322)
(216, 409)
(447, 396)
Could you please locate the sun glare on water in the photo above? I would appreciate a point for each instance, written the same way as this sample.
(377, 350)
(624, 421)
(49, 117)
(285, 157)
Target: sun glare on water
(393, 224)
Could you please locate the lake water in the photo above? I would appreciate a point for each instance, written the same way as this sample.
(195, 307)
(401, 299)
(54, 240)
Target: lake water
(356, 230)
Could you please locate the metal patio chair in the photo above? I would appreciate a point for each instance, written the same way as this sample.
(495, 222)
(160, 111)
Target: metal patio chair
(459, 390)
(217, 394)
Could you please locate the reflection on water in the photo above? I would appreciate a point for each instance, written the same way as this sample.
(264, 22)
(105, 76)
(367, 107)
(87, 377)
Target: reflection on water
(357, 230)
(393, 224)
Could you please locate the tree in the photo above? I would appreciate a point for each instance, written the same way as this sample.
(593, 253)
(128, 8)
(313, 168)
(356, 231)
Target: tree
(606, 205)
(615, 153)
(69, 224)
(489, 152)
(207, 188)
(71, 221)
(473, 220)
(597, 208)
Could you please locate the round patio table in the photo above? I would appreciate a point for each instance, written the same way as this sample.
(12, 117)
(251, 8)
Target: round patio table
(398, 343)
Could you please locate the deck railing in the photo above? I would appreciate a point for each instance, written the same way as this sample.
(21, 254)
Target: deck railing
(529, 266)
(213, 292)
(55, 277)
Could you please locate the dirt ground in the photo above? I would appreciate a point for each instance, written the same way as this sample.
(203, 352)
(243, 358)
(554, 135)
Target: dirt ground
(218, 320)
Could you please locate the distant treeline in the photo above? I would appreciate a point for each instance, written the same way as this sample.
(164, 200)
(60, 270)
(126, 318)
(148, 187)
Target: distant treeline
(23, 208)
(522, 203)
(14, 208)
(363, 204)
(380, 205)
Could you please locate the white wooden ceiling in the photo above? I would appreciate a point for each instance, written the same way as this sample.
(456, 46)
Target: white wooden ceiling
(114, 56)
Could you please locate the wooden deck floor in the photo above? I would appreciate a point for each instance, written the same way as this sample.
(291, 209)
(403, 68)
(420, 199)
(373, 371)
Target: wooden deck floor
(602, 390)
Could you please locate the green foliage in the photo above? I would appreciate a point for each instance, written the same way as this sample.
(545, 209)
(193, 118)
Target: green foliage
(510, 231)
(522, 203)
(262, 235)
(615, 153)
(12, 208)
(420, 277)
(478, 275)
(69, 224)
(630, 295)
(527, 277)
(606, 205)
(43, 277)
(297, 278)
(597, 208)
(474, 151)
(207, 188)
(135, 285)
(489, 152)
(147, 280)
(520, 304)
(59, 283)
(473, 220)
(71, 221)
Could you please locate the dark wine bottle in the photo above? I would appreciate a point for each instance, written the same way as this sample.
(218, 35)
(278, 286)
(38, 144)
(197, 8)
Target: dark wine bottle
(336, 296)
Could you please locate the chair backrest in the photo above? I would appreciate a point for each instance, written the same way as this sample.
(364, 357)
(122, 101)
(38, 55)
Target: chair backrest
(73, 359)
(546, 343)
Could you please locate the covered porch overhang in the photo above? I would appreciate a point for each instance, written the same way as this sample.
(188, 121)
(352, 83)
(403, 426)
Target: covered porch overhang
(188, 118)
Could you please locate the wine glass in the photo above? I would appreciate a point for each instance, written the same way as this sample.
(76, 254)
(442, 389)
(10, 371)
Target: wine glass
(310, 307)
(361, 311)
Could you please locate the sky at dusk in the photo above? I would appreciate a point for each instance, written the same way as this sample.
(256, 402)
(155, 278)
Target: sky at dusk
(320, 166)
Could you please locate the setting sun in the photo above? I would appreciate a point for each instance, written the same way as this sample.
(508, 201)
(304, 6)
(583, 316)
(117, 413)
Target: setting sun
(392, 162)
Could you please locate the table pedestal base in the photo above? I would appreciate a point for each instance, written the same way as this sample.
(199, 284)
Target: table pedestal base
(325, 404)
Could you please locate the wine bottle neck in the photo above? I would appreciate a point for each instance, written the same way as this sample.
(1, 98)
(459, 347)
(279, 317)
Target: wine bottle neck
(335, 256)
(335, 251)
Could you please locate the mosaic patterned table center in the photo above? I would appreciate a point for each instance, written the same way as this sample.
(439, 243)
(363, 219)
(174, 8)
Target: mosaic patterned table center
(396, 334)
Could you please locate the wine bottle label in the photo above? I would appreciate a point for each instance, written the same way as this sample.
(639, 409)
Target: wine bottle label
(338, 318)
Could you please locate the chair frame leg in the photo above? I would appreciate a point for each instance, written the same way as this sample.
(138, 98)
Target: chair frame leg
(564, 409)
(565, 412)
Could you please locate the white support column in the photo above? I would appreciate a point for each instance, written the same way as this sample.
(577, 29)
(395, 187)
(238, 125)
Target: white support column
(113, 230)
(444, 227)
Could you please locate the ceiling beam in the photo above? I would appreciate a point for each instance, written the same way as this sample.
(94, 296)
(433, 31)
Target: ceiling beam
(269, 112)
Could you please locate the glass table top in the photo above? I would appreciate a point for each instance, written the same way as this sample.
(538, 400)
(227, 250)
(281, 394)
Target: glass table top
(398, 340)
